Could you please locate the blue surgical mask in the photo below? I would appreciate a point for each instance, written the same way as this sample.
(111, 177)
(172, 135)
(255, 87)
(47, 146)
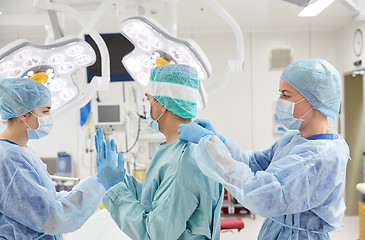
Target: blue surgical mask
(44, 127)
(153, 123)
(284, 112)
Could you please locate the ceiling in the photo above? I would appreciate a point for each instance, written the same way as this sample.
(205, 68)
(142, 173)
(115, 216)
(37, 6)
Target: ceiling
(20, 19)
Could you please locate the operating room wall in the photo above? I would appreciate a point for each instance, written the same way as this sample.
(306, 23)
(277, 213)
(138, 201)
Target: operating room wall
(243, 109)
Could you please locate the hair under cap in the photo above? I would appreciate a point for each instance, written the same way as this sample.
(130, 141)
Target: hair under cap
(318, 81)
(176, 87)
(19, 96)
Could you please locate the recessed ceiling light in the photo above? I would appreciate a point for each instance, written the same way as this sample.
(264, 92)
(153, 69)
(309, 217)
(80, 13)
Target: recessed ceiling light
(315, 8)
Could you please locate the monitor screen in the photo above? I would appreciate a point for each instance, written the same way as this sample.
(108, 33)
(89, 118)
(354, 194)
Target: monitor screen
(118, 46)
(108, 113)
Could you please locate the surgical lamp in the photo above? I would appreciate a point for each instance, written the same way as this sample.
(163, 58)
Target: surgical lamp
(52, 65)
(98, 82)
(154, 46)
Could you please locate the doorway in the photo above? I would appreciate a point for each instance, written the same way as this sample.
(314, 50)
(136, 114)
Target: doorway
(354, 136)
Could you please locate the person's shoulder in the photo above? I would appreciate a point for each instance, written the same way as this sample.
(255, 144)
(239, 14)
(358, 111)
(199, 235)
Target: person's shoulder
(11, 160)
(324, 150)
(188, 154)
(289, 135)
(187, 164)
(9, 151)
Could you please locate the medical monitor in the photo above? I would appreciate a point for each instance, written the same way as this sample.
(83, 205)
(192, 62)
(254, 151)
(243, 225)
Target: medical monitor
(108, 113)
(118, 46)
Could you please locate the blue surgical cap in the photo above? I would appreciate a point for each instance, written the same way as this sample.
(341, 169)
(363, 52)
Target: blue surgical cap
(19, 96)
(176, 86)
(318, 81)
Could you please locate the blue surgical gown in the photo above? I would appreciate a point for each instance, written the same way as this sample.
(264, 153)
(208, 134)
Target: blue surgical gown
(30, 207)
(176, 200)
(297, 184)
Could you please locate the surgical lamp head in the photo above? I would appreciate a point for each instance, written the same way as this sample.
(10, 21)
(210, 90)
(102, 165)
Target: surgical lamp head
(51, 65)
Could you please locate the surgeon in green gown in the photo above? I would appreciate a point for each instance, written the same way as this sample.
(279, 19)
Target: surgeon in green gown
(176, 200)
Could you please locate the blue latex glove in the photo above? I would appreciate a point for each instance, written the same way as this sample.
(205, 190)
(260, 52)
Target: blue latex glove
(192, 132)
(208, 125)
(109, 171)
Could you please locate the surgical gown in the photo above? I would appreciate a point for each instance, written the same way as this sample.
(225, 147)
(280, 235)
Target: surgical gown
(30, 207)
(297, 184)
(176, 200)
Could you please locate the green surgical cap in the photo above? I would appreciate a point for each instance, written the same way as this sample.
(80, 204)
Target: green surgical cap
(19, 96)
(176, 86)
(318, 81)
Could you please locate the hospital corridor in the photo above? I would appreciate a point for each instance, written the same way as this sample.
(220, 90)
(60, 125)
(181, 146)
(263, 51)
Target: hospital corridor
(182, 119)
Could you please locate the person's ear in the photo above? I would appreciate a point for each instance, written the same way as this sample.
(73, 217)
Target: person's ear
(164, 109)
(23, 118)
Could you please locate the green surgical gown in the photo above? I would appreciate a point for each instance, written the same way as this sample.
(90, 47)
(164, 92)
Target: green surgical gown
(176, 200)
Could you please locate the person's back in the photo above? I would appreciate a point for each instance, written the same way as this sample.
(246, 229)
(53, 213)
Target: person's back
(191, 193)
(176, 200)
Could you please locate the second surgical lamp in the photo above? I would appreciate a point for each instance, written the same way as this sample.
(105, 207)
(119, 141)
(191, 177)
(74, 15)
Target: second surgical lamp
(154, 46)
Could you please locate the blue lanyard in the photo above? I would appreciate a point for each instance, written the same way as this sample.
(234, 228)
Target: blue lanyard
(329, 136)
(6, 140)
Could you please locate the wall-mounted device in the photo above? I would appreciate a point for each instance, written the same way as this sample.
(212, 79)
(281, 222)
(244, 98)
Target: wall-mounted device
(108, 114)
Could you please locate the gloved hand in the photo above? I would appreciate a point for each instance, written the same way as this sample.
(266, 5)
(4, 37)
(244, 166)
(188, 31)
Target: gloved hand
(109, 171)
(192, 132)
(208, 125)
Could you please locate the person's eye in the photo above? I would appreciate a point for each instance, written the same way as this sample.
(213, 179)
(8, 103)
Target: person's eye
(284, 95)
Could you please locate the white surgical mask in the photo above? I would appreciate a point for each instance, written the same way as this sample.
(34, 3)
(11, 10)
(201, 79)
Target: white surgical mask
(44, 127)
(284, 112)
(153, 123)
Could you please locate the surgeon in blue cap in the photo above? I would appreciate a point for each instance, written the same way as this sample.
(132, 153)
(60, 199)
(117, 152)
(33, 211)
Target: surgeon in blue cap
(297, 183)
(30, 207)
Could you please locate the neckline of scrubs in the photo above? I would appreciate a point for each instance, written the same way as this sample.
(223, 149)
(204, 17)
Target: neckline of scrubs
(6, 140)
(164, 144)
(323, 136)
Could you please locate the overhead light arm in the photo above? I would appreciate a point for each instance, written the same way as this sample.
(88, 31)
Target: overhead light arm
(232, 65)
(97, 83)
(57, 31)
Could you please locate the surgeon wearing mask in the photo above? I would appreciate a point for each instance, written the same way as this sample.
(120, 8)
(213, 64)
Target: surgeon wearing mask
(297, 183)
(30, 208)
(176, 200)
